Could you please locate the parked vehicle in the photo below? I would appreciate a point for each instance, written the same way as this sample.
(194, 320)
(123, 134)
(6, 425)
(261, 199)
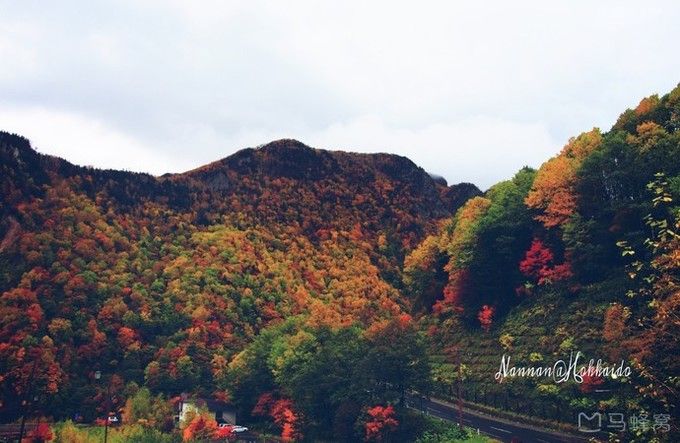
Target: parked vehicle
(234, 428)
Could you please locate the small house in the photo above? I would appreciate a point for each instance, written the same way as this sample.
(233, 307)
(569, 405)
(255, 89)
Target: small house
(223, 412)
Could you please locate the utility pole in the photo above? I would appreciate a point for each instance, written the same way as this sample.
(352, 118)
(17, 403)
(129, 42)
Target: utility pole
(460, 389)
(98, 376)
(24, 402)
(108, 406)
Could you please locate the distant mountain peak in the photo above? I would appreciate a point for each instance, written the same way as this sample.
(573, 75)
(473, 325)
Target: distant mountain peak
(283, 144)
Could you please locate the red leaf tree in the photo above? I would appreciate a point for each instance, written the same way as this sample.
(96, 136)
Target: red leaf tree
(282, 412)
(485, 317)
(539, 263)
(41, 433)
(590, 382)
(381, 422)
(200, 428)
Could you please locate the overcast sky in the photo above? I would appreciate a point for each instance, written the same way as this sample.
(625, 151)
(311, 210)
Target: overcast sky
(471, 91)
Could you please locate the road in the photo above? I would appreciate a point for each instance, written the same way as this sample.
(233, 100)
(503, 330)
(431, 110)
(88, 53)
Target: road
(10, 432)
(500, 429)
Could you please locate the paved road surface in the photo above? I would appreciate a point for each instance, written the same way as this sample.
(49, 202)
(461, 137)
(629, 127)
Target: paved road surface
(10, 432)
(500, 429)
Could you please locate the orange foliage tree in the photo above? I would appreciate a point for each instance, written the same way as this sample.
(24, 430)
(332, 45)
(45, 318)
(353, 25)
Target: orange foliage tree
(200, 428)
(552, 194)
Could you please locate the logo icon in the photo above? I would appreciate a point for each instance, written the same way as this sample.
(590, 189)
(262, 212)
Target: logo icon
(591, 423)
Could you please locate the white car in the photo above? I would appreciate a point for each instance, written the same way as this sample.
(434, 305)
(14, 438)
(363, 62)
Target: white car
(234, 428)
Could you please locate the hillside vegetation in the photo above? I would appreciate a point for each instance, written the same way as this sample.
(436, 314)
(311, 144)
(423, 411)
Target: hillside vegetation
(313, 289)
(580, 255)
(169, 282)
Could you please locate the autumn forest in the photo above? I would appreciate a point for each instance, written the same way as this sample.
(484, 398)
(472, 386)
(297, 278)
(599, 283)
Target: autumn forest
(314, 292)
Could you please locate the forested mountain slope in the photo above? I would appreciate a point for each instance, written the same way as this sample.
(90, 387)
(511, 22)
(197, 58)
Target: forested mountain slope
(312, 289)
(581, 255)
(162, 281)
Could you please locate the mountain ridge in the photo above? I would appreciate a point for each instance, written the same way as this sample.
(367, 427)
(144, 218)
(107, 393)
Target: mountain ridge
(391, 181)
(396, 163)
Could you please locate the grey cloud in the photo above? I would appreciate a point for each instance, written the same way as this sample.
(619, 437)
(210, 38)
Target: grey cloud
(191, 82)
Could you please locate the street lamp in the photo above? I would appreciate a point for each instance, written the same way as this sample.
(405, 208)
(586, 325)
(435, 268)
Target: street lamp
(98, 376)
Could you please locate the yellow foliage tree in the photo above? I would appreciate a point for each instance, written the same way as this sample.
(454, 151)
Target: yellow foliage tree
(552, 193)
